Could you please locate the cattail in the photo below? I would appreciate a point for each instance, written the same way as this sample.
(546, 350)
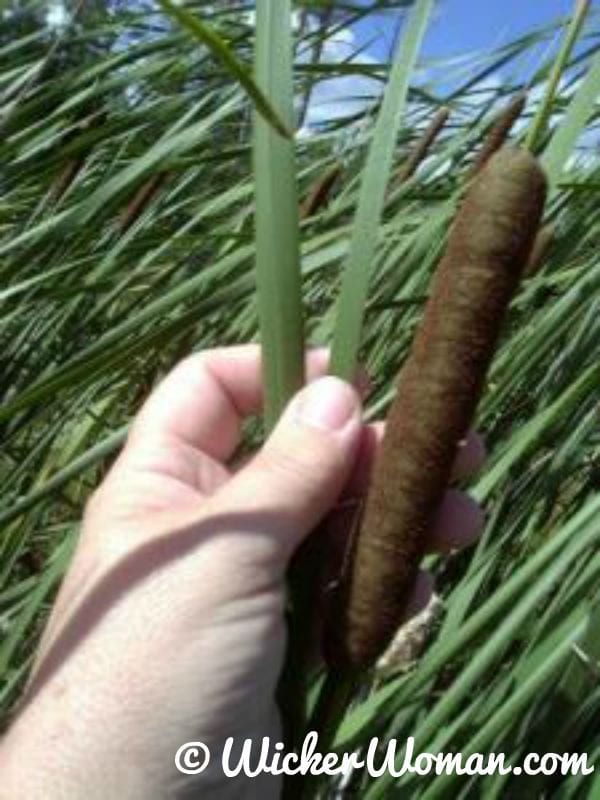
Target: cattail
(437, 394)
(66, 177)
(423, 146)
(320, 192)
(499, 131)
(141, 200)
(69, 173)
(543, 243)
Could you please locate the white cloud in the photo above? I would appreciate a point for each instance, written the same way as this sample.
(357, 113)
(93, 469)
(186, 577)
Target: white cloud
(57, 15)
(340, 97)
(343, 96)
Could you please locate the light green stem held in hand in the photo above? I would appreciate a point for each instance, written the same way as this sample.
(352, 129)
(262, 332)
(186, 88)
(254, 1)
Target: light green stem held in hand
(277, 224)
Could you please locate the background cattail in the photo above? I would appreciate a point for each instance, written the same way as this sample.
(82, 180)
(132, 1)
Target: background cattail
(73, 167)
(499, 131)
(423, 145)
(437, 394)
(141, 200)
(66, 177)
(320, 192)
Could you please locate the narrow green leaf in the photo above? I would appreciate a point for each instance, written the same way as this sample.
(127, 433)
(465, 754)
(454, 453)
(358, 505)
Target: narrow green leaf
(90, 458)
(35, 599)
(571, 127)
(540, 122)
(277, 224)
(365, 232)
(221, 50)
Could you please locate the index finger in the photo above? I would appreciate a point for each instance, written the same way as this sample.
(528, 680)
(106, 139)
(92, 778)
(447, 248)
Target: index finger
(204, 400)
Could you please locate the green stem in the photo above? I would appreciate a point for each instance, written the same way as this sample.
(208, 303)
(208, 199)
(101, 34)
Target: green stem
(334, 697)
(540, 122)
(331, 706)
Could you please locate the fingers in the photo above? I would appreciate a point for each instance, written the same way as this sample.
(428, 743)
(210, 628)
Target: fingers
(299, 473)
(470, 457)
(458, 524)
(459, 521)
(421, 595)
(202, 402)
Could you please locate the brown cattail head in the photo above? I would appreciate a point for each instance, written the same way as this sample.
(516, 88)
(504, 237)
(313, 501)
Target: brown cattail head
(438, 390)
(319, 193)
(499, 131)
(423, 146)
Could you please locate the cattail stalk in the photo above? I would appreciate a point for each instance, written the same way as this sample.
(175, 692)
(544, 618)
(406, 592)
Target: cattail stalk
(66, 177)
(319, 193)
(438, 390)
(71, 170)
(499, 131)
(141, 200)
(423, 145)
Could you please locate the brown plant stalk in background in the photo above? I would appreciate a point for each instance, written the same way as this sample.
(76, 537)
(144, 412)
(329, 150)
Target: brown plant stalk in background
(66, 177)
(499, 131)
(319, 193)
(141, 200)
(423, 145)
(437, 394)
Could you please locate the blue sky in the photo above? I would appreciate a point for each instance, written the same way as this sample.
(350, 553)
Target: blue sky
(458, 30)
(479, 25)
(461, 25)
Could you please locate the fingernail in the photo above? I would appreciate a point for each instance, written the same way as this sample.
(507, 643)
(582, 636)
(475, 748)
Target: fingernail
(328, 403)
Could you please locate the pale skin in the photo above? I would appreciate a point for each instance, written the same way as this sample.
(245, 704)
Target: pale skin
(169, 625)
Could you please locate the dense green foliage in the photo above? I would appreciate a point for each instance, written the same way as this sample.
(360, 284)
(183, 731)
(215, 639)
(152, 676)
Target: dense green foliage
(127, 239)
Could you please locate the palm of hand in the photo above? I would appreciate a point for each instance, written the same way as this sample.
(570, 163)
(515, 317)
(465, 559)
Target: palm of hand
(169, 626)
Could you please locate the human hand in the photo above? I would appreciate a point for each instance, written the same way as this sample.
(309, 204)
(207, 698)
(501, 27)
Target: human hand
(169, 626)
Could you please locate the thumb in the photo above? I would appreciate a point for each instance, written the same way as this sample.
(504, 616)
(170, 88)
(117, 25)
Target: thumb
(297, 476)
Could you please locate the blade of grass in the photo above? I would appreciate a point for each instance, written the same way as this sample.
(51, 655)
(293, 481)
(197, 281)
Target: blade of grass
(578, 113)
(351, 305)
(45, 585)
(226, 56)
(337, 691)
(93, 456)
(277, 224)
(540, 121)
(279, 285)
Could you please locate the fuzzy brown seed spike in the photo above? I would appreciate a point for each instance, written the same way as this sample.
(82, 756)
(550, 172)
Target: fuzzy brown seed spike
(500, 131)
(437, 394)
(423, 145)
